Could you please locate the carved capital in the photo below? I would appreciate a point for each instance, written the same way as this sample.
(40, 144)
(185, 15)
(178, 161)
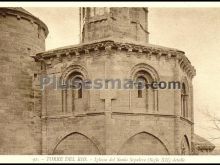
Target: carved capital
(77, 54)
(87, 52)
(159, 54)
(59, 57)
(129, 52)
(140, 53)
(108, 50)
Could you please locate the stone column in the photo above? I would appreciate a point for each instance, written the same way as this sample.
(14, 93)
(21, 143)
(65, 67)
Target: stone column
(177, 112)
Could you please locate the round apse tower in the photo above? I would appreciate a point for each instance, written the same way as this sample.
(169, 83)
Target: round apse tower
(22, 35)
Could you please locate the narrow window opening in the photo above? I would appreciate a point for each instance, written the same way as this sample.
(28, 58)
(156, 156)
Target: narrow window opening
(78, 88)
(141, 82)
(140, 92)
(80, 92)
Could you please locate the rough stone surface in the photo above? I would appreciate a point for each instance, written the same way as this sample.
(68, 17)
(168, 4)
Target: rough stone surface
(19, 120)
(114, 46)
(112, 118)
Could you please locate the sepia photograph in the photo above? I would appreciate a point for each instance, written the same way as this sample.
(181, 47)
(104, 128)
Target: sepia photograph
(129, 82)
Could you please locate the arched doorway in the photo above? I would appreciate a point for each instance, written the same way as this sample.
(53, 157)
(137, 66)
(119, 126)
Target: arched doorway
(76, 144)
(143, 144)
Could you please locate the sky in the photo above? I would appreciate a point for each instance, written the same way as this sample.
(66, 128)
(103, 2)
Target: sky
(196, 31)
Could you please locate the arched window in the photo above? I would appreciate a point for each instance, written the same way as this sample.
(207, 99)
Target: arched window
(184, 101)
(73, 95)
(145, 97)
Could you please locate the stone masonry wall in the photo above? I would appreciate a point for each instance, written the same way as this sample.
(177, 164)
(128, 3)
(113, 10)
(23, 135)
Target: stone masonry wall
(111, 131)
(19, 121)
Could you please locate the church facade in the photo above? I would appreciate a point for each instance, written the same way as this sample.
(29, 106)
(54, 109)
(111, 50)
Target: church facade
(114, 45)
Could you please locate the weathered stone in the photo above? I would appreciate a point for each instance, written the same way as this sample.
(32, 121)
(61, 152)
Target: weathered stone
(120, 121)
(16, 36)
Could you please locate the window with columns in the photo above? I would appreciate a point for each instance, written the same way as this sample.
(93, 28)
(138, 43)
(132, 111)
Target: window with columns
(143, 97)
(73, 95)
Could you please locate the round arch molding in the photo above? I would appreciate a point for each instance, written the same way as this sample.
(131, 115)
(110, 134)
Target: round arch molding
(143, 143)
(76, 144)
(74, 68)
(144, 67)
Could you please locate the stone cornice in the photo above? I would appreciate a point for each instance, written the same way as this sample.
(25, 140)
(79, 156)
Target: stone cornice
(145, 50)
(115, 114)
